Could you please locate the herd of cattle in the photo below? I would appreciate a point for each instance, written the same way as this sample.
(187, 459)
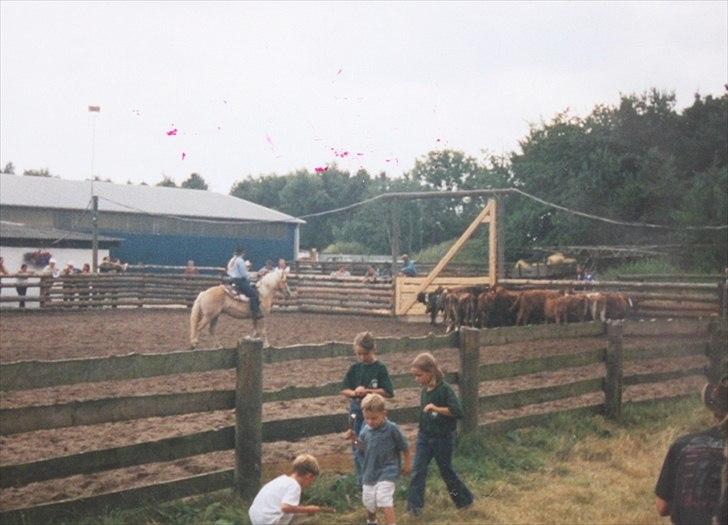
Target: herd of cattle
(483, 307)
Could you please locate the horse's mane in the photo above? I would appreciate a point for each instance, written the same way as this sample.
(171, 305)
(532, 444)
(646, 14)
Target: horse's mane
(270, 279)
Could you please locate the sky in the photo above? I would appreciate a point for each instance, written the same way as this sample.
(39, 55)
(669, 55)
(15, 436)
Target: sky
(232, 89)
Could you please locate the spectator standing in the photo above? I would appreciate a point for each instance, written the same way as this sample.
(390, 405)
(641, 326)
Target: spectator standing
(689, 485)
(408, 270)
(371, 275)
(282, 266)
(50, 272)
(341, 272)
(21, 283)
(68, 284)
(266, 269)
(3, 271)
(191, 269)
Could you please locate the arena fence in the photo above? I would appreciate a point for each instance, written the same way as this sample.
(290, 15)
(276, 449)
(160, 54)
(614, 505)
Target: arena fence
(248, 398)
(311, 293)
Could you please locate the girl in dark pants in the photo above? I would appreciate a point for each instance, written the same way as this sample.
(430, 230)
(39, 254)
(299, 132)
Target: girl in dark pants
(436, 438)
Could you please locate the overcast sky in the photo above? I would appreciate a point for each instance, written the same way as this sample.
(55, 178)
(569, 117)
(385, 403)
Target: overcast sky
(255, 88)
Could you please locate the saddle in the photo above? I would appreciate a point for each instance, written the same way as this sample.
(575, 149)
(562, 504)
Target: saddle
(233, 293)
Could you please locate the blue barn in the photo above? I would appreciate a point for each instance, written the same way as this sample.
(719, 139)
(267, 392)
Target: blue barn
(158, 225)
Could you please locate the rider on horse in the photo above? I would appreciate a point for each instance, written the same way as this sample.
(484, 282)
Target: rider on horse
(238, 274)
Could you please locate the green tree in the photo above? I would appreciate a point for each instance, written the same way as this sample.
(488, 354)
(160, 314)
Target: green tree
(167, 182)
(194, 182)
(37, 173)
(9, 169)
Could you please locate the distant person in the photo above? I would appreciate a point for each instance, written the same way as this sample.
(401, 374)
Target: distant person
(371, 275)
(50, 272)
(52, 269)
(278, 501)
(191, 269)
(408, 270)
(341, 272)
(689, 486)
(21, 283)
(266, 269)
(3, 271)
(282, 266)
(238, 272)
(68, 285)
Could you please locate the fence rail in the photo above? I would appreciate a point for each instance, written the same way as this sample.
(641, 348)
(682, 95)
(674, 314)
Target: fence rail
(249, 432)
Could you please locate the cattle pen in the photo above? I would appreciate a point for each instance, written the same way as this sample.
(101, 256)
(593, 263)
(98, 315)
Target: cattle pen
(507, 377)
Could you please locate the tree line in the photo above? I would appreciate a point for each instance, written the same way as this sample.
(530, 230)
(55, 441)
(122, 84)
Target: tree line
(640, 161)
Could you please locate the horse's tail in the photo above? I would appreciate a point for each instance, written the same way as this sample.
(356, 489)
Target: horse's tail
(195, 319)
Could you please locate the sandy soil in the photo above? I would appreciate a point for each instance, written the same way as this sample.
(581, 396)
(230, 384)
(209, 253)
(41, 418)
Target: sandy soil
(84, 334)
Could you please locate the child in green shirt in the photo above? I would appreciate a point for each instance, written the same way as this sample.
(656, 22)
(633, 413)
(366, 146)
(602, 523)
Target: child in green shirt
(436, 437)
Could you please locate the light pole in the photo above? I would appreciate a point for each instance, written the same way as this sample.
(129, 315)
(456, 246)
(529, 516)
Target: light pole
(93, 109)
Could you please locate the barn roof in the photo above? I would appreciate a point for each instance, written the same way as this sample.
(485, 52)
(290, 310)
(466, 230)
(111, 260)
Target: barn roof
(49, 192)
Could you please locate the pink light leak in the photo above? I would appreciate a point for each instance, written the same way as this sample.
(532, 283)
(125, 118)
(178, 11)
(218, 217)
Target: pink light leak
(359, 154)
(339, 72)
(136, 112)
(172, 132)
(340, 153)
(184, 155)
(270, 141)
(321, 169)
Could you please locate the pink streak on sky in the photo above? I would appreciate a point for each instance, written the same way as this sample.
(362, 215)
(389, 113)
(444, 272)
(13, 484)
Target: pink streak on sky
(184, 155)
(321, 169)
(172, 132)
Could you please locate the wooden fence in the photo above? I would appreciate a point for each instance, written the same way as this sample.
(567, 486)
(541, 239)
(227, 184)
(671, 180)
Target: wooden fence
(247, 399)
(311, 293)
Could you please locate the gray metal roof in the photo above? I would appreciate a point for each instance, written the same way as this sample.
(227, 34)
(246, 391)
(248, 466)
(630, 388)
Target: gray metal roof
(47, 192)
(14, 230)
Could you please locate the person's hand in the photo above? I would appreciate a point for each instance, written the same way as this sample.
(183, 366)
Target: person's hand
(360, 391)
(429, 407)
(349, 435)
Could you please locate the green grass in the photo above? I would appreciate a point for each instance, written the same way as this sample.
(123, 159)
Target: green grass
(571, 470)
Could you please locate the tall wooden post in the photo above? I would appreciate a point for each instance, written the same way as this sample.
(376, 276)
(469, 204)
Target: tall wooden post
(95, 233)
(500, 239)
(716, 351)
(723, 298)
(469, 380)
(248, 416)
(614, 379)
(394, 241)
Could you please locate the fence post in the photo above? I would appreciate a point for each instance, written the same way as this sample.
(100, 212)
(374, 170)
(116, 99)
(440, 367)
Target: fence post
(468, 379)
(716, 351)
(613, 381)
(723, 298)
(248, 416)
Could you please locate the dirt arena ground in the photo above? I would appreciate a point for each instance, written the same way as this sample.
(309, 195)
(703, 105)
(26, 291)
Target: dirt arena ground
(48, 336)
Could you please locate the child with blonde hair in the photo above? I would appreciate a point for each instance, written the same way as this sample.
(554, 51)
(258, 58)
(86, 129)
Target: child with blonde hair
(382, 445)
(367, 376)
(436, 437)
(278, 501)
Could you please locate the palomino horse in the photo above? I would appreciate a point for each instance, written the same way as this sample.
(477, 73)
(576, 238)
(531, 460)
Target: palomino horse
(215, 301)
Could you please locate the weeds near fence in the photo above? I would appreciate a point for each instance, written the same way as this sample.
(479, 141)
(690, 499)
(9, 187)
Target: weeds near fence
(570, 470)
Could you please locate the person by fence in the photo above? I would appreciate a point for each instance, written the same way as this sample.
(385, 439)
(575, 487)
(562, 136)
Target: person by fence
(436, 437)
(367, 376)
(21, 283)
(278, 502)
(688, 489)
(384, 448)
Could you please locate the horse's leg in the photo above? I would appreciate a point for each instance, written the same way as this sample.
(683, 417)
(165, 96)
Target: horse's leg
(213, 325)
(266, 344)
(255, 328)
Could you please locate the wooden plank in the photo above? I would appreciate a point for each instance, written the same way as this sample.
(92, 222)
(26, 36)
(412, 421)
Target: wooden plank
(512, 334)
(665, 351)
(136, 497)
(494, 371)
(248, 417)
(25, 375)
(499, 427)
(532, 396)
(493, 242)
(90, 462)
(483, 216)
(664, 327)
(469, 380)
(658, 377)
(613, 362)
(107, 410)
(598, 285)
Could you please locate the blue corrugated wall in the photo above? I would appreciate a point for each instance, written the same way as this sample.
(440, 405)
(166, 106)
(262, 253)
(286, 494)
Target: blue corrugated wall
(176, 250)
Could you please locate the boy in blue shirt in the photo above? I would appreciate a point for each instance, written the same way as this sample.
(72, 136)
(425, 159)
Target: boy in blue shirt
(381, 442)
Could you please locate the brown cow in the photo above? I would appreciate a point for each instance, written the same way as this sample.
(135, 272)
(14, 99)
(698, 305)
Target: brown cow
(530, 305)
(617, 305)
(566, 308)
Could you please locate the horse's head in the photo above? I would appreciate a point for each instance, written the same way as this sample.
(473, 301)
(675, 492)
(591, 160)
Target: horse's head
(275, 280)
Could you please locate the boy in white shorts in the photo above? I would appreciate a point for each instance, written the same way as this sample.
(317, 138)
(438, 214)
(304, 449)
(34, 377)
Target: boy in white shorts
(278, 500)
(382, 444)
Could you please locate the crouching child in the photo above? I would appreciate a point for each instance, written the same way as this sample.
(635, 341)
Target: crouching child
(384, 447)
(278, 500)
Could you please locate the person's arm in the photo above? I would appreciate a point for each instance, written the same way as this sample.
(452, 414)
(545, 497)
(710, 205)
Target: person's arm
(662, 506)
(443, 411)
(407, 462)
(300, 509)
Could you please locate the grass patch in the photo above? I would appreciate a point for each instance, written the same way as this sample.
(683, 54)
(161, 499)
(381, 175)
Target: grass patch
(570, 470)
